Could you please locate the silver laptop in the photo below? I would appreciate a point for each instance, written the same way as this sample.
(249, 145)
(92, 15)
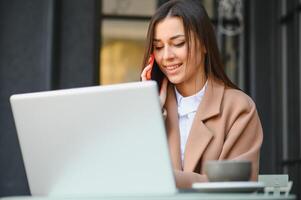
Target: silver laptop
(102, 140)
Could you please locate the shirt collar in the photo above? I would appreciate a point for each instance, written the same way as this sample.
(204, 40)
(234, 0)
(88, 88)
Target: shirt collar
(189, 104)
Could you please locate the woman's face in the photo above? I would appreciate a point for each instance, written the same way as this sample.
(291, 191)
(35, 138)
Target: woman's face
(170, 50)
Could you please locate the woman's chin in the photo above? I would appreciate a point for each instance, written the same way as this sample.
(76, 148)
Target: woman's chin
(174, 79)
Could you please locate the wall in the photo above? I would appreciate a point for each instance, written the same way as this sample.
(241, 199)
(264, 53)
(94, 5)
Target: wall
(273, 46)
(44, 45)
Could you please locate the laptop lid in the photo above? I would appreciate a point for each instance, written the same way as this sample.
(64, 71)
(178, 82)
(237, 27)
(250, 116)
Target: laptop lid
(101, 140)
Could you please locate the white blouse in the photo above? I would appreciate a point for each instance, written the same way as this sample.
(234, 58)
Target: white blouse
(187, 107)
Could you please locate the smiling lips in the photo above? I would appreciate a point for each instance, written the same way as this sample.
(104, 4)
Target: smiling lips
(172, 67)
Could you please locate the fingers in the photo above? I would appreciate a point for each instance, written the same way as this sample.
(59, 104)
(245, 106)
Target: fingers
(149, 74)
(145, 75)
(151, 63)
(147, 71)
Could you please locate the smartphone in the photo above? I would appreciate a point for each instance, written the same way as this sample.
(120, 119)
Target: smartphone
(157, 75)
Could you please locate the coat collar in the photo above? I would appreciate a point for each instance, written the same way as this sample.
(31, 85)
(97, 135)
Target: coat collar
(211, 103)
(199, 136)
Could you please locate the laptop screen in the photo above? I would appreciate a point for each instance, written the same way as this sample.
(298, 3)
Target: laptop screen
(101, 140)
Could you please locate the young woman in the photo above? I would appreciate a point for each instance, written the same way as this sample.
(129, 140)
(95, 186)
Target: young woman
(207, 116)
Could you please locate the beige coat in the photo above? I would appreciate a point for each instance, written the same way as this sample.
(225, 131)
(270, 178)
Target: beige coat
(226, 126)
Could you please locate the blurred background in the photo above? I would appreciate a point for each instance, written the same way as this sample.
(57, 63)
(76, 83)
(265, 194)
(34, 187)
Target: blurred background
(55, 44)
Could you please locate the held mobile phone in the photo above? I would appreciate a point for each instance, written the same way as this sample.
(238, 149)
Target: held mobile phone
(156, 74)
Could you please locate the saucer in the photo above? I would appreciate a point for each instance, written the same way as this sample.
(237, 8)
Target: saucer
(229, 187)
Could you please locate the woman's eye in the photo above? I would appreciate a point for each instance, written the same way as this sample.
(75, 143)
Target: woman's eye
(180, 44)
(158, 47)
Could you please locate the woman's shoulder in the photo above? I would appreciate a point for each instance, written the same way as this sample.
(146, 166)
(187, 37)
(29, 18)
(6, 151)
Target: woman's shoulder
(237, 99)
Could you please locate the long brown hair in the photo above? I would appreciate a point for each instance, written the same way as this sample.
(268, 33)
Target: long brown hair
(196, 21)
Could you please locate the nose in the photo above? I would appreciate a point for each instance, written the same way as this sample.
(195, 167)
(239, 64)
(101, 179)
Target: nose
(168, 53)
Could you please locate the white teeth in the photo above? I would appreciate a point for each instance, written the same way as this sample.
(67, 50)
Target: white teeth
(172, 67)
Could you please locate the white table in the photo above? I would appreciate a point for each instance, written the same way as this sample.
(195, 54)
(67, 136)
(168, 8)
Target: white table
(182, 196)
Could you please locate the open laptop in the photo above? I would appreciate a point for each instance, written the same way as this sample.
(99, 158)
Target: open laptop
(102, 140)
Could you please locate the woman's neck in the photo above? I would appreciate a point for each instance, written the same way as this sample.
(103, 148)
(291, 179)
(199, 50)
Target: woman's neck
(191, 87)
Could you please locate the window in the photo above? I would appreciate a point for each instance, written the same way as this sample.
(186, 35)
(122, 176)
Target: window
(123, 31)
(124, 26)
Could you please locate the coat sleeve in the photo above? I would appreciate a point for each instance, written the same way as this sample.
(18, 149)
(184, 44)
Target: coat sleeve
(244, 137)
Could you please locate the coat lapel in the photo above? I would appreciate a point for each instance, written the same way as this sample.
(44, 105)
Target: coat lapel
(198, 139)
(199, 136)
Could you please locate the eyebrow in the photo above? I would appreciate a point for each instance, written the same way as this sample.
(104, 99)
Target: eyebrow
(172, 38)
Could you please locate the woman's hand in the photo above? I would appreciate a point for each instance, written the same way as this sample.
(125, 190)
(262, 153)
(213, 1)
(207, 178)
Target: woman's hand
(186, 179)
(146, 75)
